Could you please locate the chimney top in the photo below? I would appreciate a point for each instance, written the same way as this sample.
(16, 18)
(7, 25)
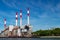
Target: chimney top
(5, 19)
(27, 8)
(16, 13)
(20, 11)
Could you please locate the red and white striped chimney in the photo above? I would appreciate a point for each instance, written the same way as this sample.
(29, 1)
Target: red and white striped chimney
(28, 14)
(4, 23)
(20, 17)
(16, 18)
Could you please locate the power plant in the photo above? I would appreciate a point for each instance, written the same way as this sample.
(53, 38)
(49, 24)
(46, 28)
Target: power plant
(18, 31)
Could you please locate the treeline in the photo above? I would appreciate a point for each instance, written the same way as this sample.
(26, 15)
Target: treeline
(53, 32)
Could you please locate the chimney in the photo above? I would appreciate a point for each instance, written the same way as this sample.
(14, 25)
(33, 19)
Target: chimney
(4, 23)
(16, 18)
(28, 14)
(20, 17)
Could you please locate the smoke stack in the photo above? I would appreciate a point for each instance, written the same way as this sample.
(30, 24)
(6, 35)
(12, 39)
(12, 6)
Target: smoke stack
(16, 18)
(20, 17)
(5, 23)
(28, 14)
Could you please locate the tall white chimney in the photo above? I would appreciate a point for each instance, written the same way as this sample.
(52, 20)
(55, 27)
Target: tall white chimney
(28, 14)
(16, 18)
(20, 17)
(4, 23)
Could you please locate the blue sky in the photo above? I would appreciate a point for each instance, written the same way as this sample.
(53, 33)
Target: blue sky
(44, 14)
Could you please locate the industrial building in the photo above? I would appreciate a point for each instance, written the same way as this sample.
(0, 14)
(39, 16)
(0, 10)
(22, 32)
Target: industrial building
(18, 31)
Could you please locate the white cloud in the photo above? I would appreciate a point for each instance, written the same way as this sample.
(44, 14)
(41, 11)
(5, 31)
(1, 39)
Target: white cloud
(44, 15)
(10, 3)
(7, 14)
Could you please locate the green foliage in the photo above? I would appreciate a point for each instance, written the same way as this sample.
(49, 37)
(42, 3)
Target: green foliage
(54, 32)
